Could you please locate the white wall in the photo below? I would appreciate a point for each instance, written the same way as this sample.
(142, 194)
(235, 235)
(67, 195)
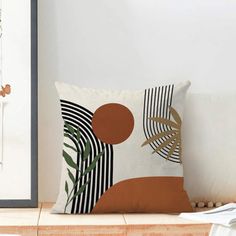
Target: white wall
(15, 53)
(128, 44)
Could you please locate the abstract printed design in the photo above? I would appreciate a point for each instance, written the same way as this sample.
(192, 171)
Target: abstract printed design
(113, 123)
(94, 134)
(72, 184)
(100, 178)
(173, 136)
(149, 191)
(157, 103)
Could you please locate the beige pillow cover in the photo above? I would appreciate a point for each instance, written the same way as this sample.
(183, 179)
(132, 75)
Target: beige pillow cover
(122, 150)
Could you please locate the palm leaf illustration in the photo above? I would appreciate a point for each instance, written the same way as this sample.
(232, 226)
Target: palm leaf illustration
(158, 136)
(165, 122)
(176, 116)
(173, 136)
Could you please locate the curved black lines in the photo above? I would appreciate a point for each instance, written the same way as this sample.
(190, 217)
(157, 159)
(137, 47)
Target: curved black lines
(149, 111)
(164, 110)
(85, 131)
(79, 206)
(145, 118)
(156, 104)
(81, 116)
(80, 199)
(101, 177)
(164, 127)
(161, 110)
(148, 124)
(84, 137)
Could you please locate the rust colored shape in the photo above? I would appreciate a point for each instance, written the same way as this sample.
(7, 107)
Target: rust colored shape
(145, 195)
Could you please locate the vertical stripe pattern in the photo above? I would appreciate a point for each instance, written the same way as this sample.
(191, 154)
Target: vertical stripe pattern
(101, 177)
(157, 102)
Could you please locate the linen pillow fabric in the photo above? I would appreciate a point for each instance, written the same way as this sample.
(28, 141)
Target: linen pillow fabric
(122, 150)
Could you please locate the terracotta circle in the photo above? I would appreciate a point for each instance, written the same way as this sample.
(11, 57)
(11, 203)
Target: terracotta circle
(112, 123)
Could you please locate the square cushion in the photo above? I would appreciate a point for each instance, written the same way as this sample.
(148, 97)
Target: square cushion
(122, 150)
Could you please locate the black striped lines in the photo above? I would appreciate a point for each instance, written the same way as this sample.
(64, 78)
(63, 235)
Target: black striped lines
(157, 102)
(100, 178)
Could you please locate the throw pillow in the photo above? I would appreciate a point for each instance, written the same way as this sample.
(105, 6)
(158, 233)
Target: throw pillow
(122, 150)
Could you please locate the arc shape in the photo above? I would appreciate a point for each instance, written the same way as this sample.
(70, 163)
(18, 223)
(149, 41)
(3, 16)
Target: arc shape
(157, 102)
(101, 177)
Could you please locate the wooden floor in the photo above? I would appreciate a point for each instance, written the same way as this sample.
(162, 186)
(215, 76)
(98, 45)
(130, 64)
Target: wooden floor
(39, 221)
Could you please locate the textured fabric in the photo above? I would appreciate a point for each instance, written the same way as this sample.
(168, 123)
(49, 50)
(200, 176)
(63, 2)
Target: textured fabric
(114, 136)
(210, 146)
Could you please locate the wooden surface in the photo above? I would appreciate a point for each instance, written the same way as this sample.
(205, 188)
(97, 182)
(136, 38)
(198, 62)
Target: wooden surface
(39, 221)
(19, 230)
(19, 216)
(129, 230)
(19, 221)
(48, 219)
